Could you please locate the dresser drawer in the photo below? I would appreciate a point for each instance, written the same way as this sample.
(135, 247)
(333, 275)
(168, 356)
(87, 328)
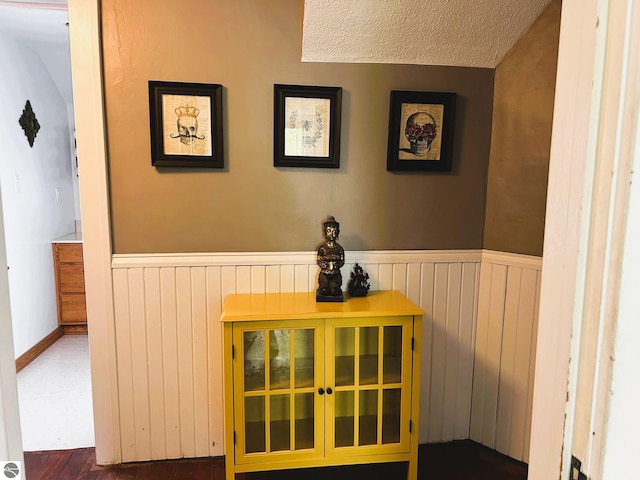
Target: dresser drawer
(69, 252)
(71, 278)
(73, 309)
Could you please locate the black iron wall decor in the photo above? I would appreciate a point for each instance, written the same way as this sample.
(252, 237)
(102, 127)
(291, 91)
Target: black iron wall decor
(29, 123)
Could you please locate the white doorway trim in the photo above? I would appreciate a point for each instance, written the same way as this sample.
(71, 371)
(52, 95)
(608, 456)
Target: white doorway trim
(86, 68)
(563, 235)
(594, 132)
(10, 436)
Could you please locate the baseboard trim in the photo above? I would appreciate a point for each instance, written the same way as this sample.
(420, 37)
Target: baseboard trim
(30, 355)
(74, 329)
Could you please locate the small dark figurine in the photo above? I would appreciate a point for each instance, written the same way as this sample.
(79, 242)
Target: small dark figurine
(330, 260)
(358, 285)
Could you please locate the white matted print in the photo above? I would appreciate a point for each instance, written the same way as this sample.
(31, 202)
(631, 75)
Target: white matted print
(307, 126)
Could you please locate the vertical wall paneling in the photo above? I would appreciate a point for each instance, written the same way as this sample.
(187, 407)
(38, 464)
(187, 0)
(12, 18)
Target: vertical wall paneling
(479, 367)
(507, 387)
(413, 282)
(153, 309)
(287, 278)
(124, 365)
(139, 362)
(466, 348)
(169, 342)
(438, 351)
(426, 303)
(228, 278)
(385, 277)
(200, 360)
(272, 279)
(532, 363)
(452, 350)
(170, 371)
(301, 276)
(185, 361)
(215, 359)
(493, 351)
(258, 278)
(399, 278)
(243, 279)
(504, 352)
(523, 343)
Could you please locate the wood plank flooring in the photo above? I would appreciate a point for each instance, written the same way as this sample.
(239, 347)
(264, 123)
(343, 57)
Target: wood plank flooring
(461, 460)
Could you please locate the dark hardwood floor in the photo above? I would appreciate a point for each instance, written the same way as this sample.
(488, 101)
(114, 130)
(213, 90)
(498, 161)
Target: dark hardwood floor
(461, 460)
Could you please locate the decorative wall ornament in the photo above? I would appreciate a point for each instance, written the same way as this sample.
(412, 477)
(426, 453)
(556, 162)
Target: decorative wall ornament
(29, 123)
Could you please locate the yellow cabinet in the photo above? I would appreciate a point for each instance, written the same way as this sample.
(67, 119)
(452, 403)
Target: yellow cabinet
(312, 384)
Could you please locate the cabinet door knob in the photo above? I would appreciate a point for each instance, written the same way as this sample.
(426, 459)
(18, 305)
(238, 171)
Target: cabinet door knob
(329, 391)
(321, 391)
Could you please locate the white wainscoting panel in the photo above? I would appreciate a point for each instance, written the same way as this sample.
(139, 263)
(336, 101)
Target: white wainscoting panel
(169, 342)
(509, 291)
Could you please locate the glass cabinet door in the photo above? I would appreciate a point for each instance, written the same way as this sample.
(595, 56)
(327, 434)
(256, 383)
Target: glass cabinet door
(276, 377)
(369, 375)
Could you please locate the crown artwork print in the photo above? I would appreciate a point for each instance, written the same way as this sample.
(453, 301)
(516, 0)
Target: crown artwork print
(186, 125)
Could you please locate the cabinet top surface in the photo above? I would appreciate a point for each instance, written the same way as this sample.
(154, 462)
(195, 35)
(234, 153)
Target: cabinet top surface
(70, 238)
(282, 306)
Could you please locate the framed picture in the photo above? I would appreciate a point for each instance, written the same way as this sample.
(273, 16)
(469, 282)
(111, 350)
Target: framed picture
(186, 124)
(420, 131)
(307, 126)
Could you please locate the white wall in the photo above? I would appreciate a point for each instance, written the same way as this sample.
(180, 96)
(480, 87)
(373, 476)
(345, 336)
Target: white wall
(32, 218)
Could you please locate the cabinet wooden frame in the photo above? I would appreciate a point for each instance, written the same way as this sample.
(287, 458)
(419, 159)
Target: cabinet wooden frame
(267, 312)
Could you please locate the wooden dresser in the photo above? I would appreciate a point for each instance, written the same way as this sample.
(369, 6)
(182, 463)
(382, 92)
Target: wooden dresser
(68, 267)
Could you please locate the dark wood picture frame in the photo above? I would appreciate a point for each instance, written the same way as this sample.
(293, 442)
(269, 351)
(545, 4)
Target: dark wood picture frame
(420, 131)
(186, 124)
(301, 136)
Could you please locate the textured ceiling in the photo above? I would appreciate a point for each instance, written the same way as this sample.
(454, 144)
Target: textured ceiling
(470, 33)
(473, 33)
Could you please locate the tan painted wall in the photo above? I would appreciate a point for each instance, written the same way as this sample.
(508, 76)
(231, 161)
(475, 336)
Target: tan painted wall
(521, 139)
(247, 46)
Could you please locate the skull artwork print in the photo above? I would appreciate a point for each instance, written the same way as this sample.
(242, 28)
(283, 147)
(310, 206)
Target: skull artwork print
(191, 132)
(420, 131)
(186, 124)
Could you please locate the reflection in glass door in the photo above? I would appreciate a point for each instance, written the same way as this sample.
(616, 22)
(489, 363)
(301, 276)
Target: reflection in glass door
(277, 371)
